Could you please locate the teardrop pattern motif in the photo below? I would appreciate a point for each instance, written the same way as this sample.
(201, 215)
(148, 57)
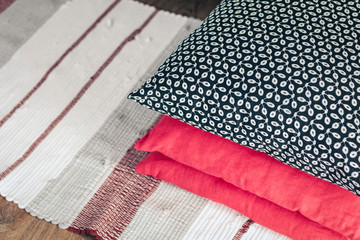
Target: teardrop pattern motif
(279, 76)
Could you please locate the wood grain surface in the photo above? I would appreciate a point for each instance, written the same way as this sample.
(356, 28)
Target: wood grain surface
(190, 8)
(16, 223)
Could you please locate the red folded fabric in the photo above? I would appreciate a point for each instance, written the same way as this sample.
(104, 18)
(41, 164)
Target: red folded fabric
(262, 211)
(253, 171)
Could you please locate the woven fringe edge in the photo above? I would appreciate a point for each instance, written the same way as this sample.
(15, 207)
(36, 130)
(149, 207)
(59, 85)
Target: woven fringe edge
(87, 231)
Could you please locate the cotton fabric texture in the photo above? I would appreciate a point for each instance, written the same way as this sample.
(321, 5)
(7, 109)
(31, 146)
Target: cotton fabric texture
(67, 134)
(77, 175)
(281, 77)
(205, 159)
(291, 224)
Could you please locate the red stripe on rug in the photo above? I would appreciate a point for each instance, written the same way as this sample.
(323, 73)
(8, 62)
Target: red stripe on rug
(78, 96)
(116, 202)
(49, 71)
(4, 4)
(244, 228)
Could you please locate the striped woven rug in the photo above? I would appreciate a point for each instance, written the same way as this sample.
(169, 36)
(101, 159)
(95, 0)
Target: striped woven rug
(67, 130)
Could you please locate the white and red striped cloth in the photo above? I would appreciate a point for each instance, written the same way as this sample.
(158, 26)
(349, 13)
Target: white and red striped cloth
(67, 130)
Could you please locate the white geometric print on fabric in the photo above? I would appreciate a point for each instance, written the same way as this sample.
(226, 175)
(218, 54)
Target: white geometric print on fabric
(281, 77)
(67, 169)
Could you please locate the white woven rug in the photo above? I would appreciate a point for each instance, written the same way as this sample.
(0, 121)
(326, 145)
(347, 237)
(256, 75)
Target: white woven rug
(67, 130)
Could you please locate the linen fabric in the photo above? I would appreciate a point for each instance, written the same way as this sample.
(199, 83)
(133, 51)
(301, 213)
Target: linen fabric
(257, 173)
(70, 161)
(289, 223)
(281, 77)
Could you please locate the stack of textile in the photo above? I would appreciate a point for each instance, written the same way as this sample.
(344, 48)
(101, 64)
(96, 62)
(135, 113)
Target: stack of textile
(67, 130)
(268, 95)
(260, 110)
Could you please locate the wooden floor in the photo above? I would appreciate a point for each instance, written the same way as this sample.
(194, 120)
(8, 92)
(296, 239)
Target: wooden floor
(18, 224)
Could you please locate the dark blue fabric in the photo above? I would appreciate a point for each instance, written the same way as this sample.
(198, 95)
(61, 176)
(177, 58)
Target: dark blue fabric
(280, 76)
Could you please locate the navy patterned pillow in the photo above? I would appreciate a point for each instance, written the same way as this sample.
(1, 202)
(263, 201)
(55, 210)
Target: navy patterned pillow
(279, 76)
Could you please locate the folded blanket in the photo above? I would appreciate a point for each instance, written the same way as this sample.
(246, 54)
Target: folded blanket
(262, 211)
(317, 200)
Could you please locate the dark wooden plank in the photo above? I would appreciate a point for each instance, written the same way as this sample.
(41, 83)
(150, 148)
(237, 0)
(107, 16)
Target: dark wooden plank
(16, 223)
(191, 8)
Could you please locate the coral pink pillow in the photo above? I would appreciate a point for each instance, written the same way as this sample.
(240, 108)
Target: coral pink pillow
(262, 211)
(258, 173)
